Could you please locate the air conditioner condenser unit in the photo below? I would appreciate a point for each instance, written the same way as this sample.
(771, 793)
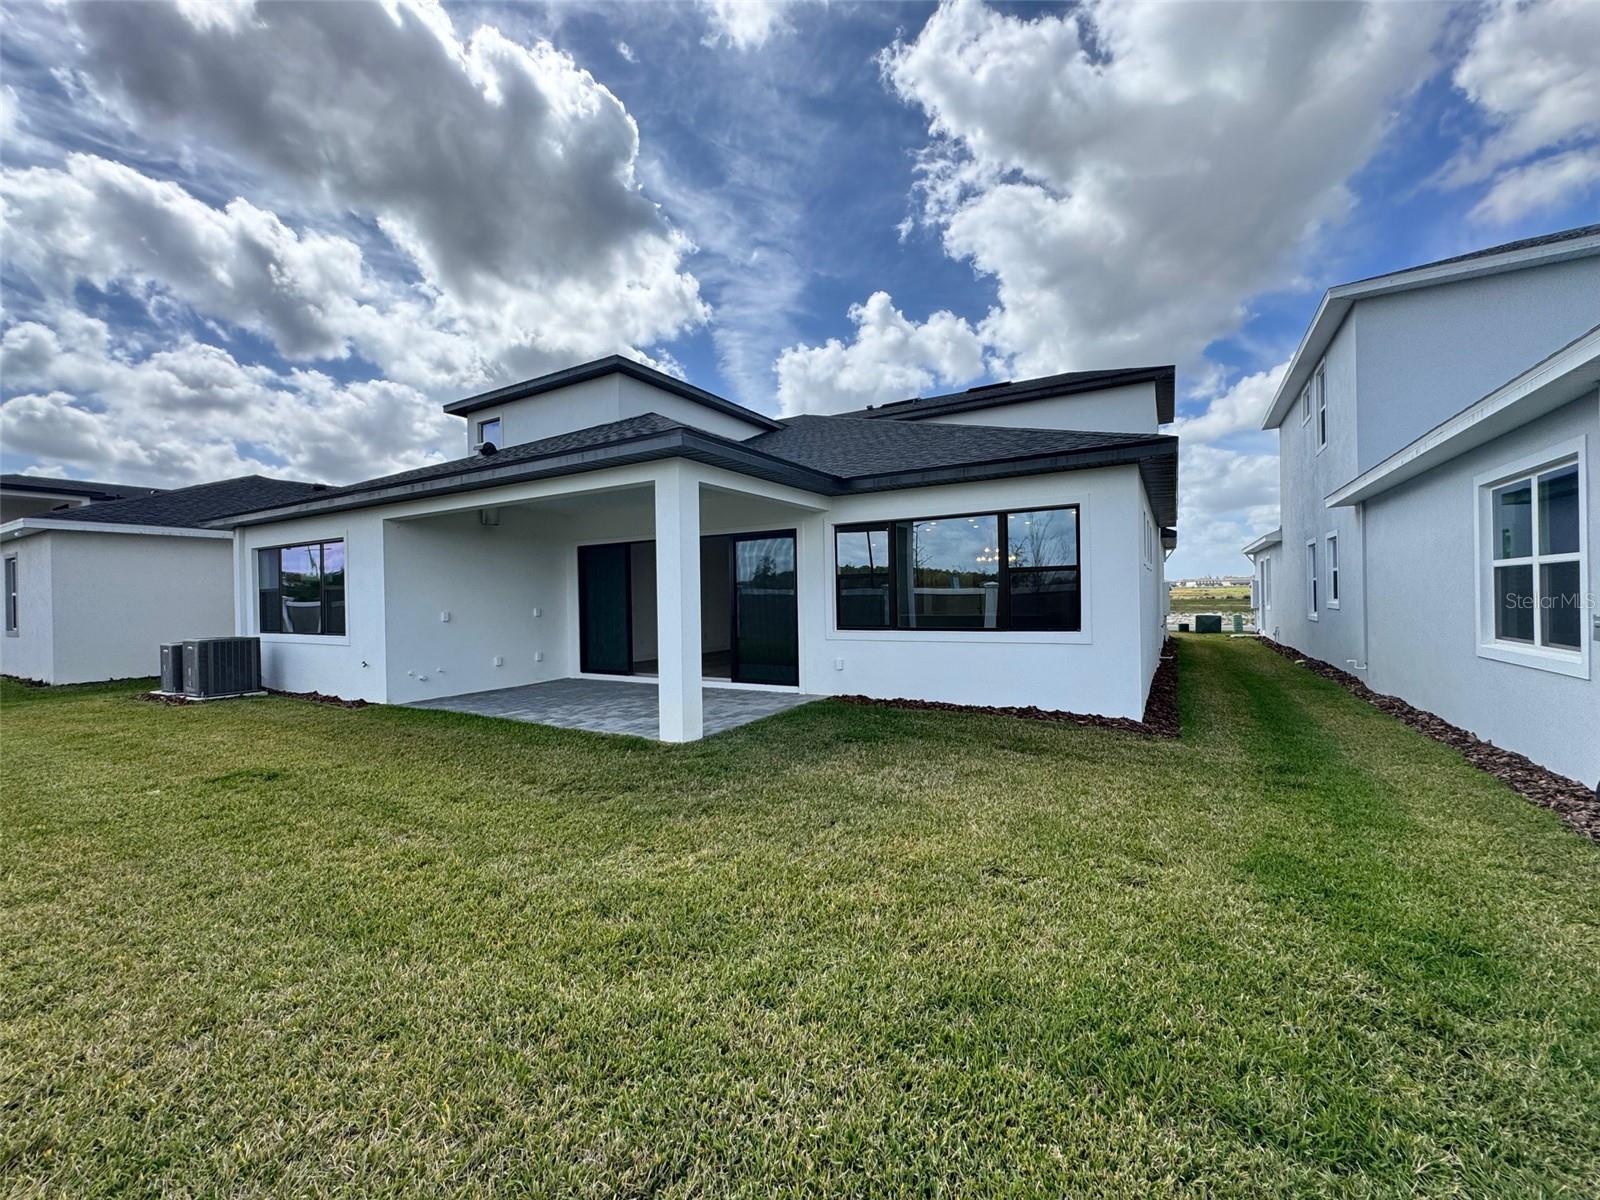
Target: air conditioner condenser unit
(214, 667)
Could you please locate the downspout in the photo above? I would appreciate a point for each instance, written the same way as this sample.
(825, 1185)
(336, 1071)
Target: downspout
(1361, 533)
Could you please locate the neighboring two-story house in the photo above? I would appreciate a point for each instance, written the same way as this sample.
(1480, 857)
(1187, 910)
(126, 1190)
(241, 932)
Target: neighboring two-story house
(1437, 427)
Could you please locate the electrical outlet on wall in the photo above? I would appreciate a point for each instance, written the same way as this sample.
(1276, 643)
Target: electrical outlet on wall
(444, 615)
(538, 656)
(499, 661)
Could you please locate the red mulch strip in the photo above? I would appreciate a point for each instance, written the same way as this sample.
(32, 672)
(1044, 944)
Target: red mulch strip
(1574, 803)
(1160, 707)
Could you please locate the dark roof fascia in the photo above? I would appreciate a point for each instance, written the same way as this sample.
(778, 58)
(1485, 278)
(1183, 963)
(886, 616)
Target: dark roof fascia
(615, 364)
(74, 487)
(712, 450)
(1164, 377)
(688, 443)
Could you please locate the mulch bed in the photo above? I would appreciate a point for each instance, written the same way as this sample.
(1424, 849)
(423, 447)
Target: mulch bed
(1160, 707)
(314, 697)
(1574, 803)
(319, 698)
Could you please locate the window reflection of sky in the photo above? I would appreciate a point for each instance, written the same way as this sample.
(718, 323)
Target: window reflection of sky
(958, 546)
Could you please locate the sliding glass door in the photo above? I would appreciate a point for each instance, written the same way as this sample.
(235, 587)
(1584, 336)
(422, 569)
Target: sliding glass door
(749, 608)
(766, 644)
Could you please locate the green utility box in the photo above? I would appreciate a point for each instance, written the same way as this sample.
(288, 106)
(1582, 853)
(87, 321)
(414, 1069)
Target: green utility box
(1208, 623)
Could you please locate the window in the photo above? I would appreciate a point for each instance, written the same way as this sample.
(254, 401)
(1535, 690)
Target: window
(863, 580)
(300, 589)
(1305, 403)
(1534, 566)
(1318, 382)
(1333, 570)
(1266, 582)
(1015, 571)
(11, 594)
(489, 431)
(1311, 580)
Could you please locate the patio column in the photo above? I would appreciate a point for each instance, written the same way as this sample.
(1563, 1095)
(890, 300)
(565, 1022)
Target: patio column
(678, 601)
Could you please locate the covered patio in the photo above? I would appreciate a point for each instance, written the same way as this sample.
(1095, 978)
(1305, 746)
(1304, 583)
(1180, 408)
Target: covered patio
(614, 705)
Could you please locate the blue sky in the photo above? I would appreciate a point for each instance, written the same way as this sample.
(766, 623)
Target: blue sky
(276, 238)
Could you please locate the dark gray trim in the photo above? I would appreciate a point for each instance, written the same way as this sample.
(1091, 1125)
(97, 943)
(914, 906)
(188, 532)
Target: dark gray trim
(995, 395)
(614, 364)
(1157, 458)
(85, 488)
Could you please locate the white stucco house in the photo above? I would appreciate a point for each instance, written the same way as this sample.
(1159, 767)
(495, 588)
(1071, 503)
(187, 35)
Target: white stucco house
(92, 589)
(1437, 432)
(999, 546)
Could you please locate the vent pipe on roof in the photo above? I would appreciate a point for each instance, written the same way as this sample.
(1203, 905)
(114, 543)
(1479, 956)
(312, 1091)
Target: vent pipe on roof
(488, 449)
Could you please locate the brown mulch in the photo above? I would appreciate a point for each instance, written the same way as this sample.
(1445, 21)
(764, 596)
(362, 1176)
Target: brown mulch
(314, 697)
(319, 698)
(164, 698)
(1574, 803)
(1160, 707)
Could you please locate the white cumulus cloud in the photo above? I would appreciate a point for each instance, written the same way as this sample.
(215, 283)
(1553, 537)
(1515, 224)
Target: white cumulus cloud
(1131, 174)
(1534, 70)
(890, 358)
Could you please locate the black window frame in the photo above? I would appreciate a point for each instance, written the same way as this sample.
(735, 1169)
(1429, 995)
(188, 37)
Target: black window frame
(499, 430)
(12, 601)
(894, 527)
(325, 602)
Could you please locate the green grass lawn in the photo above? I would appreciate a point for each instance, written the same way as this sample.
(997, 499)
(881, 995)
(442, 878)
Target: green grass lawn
(271, 947)
(1208, 600)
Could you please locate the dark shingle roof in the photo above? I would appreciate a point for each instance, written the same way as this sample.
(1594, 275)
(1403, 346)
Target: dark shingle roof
(826, 455)
(613, 433)
(193, 506)
(993, 395)
(853, 447)
(73, 487)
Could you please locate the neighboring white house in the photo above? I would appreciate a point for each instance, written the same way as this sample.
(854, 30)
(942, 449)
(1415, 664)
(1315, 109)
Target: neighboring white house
(1437, 428)
(1001, 546)
(92, 591)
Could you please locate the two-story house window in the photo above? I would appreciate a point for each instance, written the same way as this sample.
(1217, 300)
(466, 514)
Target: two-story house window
(1317, 386)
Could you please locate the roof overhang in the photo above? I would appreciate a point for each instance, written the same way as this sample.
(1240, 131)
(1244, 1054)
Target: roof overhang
(1156, 457)
(1338, 301)
(1265, 542)
(1565, 376)
(29, 526)
(998, 395)
(613, 365)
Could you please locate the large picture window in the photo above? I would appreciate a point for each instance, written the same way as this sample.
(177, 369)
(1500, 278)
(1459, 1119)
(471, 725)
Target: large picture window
(1535, 562)
(1013, 570)
(300, 589)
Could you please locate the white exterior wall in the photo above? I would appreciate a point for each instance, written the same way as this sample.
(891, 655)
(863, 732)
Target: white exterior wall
(1422, 554)
(1097, 670)
(1307, 475)
(402, 572)
(98, 606)
(29, 653)
(1129, 409)
(352, 666)
(503, 588)
(613, 397)
(1429, 353)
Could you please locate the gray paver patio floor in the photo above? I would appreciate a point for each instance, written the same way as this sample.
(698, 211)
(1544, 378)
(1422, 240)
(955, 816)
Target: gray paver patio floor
(612, 705)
